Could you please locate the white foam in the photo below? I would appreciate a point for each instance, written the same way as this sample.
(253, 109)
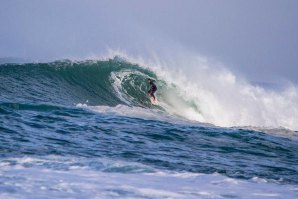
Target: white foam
(223, 98)
(35, 181)
(124, 110)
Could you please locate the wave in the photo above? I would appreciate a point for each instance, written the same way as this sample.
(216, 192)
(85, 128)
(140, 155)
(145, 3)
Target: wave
(66, 82)
(200, 92)
(94, 83)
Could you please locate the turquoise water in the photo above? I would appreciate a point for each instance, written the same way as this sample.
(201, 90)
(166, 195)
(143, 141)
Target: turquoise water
(87, 130)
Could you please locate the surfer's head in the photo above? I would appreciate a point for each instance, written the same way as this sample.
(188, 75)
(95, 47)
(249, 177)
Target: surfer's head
(150, 80)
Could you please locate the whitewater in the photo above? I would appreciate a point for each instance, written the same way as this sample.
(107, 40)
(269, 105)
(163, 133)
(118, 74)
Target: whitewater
(86, 129)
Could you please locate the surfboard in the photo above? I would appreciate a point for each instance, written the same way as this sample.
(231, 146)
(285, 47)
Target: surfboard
(154, 102)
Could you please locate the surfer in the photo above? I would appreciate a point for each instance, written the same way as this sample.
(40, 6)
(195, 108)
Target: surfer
(153, 88)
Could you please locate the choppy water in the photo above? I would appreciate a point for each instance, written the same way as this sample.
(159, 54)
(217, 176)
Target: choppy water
(87, 130)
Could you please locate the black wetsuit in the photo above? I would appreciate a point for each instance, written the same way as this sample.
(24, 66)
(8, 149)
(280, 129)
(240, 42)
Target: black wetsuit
(153, 89)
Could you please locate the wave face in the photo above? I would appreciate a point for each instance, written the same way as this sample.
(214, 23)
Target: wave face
(94, 83)
(67, 83)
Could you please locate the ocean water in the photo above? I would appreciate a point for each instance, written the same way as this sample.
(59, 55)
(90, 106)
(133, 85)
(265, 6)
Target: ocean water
(86, 129)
